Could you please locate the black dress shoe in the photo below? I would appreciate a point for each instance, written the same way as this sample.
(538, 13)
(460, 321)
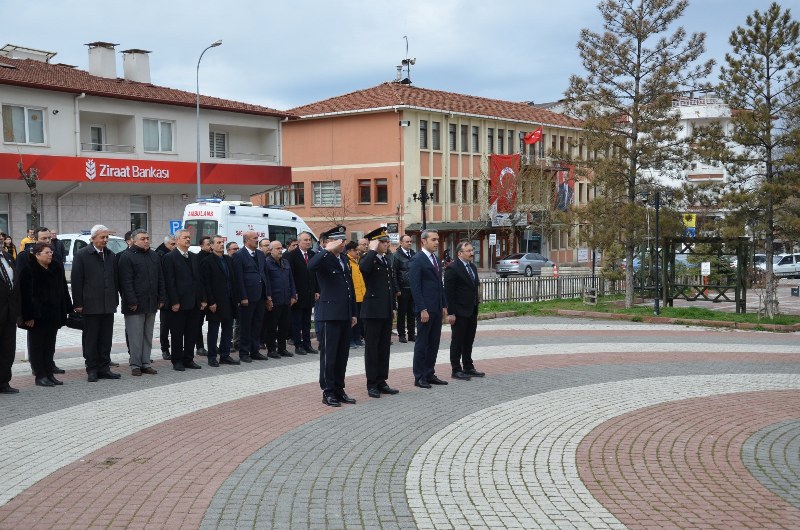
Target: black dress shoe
(112, 363)
(178, 367)
(344, 398)
(57, 370)
(386, 389)
(258, 357)
(403, 338)
(412, 338)
(228, 360)
(299, 351)
(285, 353)
(460, 375)
(192, 366)
(331, 401)
(436, 381)
(91, 377)
(472, 372)
(165, 355)
(44, 381)
(202, 352)
(310, 349)
(245, 358)
(422, 384)
(373, 392)
(108, 374)
(273, 355)
(213, 362)
(55, 381)
(8, 389)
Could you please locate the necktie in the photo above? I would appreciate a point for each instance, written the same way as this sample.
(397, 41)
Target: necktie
(469, 270)
(5, 273)
(435, 264)
(305, 257)
(102, 255)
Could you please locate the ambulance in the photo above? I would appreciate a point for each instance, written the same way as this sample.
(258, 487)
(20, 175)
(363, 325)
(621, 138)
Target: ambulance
(231, 219)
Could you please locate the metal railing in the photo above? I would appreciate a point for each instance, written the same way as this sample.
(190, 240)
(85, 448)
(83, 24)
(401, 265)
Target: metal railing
(539, 288)
(261, 157)
(107, 148)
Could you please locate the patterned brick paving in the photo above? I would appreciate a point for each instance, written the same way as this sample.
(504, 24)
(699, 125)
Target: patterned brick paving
(773, 457)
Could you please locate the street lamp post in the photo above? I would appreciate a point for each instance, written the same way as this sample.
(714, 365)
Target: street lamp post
(212, 45)
(657, 204)
(423, 197)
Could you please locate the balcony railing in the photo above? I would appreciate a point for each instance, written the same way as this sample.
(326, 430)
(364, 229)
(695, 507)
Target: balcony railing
(107, 148)
(245, 156)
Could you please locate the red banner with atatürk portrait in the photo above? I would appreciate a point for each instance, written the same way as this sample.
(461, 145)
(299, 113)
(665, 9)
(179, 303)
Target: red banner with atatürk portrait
(503, 171)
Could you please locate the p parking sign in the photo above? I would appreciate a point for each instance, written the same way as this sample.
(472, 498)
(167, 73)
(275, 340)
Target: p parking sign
(174, 226)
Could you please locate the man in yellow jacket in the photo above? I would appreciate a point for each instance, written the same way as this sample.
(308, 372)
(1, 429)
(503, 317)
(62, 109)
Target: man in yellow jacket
(354, 254)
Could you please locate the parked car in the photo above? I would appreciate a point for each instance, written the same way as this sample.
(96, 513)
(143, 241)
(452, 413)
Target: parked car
(529, 264)
(74, 242)
(784, 265)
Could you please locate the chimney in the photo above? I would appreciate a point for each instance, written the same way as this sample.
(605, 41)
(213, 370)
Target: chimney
(136, 65)
(102, 61)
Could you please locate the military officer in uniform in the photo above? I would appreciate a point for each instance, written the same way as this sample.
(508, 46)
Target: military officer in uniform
(377, 312)
(336, 314)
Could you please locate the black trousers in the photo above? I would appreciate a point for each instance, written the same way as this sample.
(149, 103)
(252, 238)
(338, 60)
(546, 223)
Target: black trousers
(405, 313)
(301, 326)
(183, 332)
(163, 329)
(200, 345)
(334, 344)
(8, 344)
(278, 325)
(251, 318)
(426, 347)
(97, 333)
(463, 335)
(42, 347)
(378, 339)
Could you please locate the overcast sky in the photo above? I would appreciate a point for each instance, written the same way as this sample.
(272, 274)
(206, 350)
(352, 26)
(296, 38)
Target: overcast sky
(284, 54)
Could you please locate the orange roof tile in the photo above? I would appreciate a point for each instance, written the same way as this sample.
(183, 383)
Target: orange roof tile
(390, 95)
(61, 78)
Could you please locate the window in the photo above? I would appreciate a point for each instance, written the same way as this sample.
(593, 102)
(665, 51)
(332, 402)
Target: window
(4, 213)
(218, 144)
(580, 149)
(364, 191)
(296, 194)
(435, 136)
(436, 197)
(381, 191)
(140, 205)
(453, 187)
(423, 134)
(464, 191)
(158, 136)
(510, 142)
(97, 138)
(476, 143)
(490, 141)
(328, 193)
(464, 138)
(282, 233)
(541, 147)
(23, 125)
(500, 146)
(452, 136)
(200, 227)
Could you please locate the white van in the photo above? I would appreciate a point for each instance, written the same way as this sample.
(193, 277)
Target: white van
(231, 219)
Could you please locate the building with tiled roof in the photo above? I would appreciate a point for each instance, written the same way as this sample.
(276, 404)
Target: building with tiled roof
(362, 158)
(120, 150)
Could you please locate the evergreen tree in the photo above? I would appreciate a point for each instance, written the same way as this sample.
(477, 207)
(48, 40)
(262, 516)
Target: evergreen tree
(633, 70)
(759, 81)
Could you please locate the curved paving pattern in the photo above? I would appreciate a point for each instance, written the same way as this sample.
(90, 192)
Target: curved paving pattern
(254, 447)
(772, 455)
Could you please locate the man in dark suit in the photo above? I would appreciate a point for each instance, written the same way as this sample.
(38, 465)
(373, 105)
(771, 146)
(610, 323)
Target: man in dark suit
(220, 280)
(377, 311)
(185, 299)
(95, 296)
(306, 284)
(163, 314)
(336, 314)
(462, 291)
(9, 311)
(405, 304)
(254, 293)
(204, 252)
(430, 307)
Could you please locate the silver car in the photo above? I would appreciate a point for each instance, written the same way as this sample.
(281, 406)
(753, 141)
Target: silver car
(529, 264)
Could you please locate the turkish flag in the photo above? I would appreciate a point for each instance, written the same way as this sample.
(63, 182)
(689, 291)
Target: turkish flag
(503, 171)
(533, 137)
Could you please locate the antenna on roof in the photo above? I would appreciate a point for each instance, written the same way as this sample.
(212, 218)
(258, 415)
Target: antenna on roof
(407, 64)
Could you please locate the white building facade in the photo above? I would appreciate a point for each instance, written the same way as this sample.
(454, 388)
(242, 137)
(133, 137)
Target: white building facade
(122, 151)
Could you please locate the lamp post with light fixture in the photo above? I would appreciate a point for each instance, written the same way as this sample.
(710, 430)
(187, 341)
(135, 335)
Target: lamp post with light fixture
(424, 198)
(212, 45)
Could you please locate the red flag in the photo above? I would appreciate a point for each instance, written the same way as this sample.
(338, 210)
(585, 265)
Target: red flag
(503, 170)
(533, 137)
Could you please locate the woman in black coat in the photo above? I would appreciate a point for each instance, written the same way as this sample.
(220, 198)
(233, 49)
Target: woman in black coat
(45, 304)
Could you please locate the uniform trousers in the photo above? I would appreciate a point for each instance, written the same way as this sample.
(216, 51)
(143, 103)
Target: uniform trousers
(426, 346)
(378, 337)
(462, 337)
(183, 332)
(97, 334)
(334, 344)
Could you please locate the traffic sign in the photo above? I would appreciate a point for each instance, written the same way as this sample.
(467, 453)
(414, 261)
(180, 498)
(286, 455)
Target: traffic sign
(174, 226)
(492, 239)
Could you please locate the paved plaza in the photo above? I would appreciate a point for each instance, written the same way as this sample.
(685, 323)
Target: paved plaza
(578, 424)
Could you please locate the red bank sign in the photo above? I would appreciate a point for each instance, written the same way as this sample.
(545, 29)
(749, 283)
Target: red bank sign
(117, 170)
